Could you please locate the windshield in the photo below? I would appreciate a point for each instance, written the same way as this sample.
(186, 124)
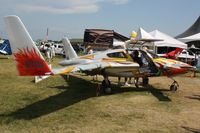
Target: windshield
(117, 55)
(152, 54)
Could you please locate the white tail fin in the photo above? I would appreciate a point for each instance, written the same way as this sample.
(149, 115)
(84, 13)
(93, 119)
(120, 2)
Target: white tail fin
(28, 59)
(70, 53)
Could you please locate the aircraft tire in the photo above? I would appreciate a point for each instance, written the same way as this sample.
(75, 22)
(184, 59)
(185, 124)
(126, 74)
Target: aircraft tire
(173, 87)
(145, 81)
(106, 87)
(136, 82)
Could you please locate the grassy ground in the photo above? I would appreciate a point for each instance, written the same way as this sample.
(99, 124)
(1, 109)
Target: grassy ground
(54, 105)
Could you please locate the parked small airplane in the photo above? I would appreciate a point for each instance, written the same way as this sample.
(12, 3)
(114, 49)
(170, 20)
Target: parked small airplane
(117, 62)
(168, 67)
(174, 54)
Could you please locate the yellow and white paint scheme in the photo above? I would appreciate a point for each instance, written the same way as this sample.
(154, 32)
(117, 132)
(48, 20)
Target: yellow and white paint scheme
(110, 62)
(30, 62)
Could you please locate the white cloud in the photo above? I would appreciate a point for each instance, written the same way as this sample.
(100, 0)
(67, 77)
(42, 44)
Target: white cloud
(119, 2)
(65, 6)
(59, 10)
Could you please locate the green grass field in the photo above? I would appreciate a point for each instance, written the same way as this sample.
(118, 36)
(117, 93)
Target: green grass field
(55, 105)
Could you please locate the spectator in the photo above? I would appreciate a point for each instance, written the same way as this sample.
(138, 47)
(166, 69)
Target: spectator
(89, 50)
(52, 51)
(48, 53)
(136, 58)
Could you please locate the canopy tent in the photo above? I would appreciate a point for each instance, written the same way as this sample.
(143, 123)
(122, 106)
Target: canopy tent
(194, 49)
(1, 41)
(142, 35)
(195, 37)
(167, 40)
(194, 29)
(192, 35)
(5, 48)
(101, 39)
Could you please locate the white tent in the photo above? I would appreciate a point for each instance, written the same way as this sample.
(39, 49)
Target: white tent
(168, 41)
(142, 35)
(195, 37)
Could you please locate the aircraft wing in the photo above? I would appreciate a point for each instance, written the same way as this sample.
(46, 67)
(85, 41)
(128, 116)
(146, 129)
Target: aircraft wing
(94, 66)
(173, 67)
(170, 63)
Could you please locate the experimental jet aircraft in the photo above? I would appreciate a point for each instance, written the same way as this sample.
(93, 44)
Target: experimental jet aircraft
(30, 62)
(117, 63)
(170, 68)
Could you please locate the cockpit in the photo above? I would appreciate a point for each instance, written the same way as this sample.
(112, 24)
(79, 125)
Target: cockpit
(144, 59)
(117, 55)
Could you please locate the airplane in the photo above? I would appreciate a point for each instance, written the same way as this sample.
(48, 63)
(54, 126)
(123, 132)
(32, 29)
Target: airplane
(166, 67)
(174, 54)
(116, 62)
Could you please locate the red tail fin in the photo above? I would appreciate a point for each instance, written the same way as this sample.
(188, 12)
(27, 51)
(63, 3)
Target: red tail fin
(29, 60)
(174, 54)
(30, 63)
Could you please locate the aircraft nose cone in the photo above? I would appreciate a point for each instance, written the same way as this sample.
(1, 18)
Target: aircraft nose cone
(183, 68)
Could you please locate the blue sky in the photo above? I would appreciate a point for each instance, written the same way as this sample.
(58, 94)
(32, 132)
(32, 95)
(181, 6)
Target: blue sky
(70, 17)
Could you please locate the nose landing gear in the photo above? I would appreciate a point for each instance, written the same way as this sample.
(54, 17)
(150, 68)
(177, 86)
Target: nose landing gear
(174, 86)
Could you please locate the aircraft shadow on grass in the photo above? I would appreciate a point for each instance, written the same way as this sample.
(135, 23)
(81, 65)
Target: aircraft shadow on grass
(192, 130)
(78, 90)
(194, 97)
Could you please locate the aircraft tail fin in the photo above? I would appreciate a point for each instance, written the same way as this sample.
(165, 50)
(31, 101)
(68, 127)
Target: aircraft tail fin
(70, 53)
(178, 51)
(174, 54)
(29, 60)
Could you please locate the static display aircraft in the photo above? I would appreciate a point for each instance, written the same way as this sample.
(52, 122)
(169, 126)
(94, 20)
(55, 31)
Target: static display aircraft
(117, 62)
(174, 54)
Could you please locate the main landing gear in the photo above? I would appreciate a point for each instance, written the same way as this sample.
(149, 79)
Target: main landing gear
(174, 86)
(145, 81)
(136, 82)
(106, 85)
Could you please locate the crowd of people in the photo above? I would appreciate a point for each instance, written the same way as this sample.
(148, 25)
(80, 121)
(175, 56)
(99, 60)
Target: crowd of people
(49, 51)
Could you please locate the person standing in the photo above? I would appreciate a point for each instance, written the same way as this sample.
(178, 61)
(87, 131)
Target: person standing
(48, 53)
(52, 52)
(89, 50)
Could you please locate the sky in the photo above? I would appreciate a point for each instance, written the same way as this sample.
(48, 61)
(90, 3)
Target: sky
(71, 17)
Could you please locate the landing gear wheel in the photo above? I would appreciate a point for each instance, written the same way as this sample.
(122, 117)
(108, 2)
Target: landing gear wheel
(174, 86)
(145, 81)
(106, 87)
(136, 82)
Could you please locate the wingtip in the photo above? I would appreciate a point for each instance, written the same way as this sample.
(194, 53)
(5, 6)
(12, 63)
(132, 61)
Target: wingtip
(65, 38)
(11, 16)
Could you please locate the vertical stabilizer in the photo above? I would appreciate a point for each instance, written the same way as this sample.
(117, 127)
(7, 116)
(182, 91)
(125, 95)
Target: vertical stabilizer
(70, 53)
(29, 60)
(173, 54)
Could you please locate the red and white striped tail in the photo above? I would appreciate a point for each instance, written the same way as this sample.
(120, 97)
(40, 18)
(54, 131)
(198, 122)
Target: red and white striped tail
(29, 60)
